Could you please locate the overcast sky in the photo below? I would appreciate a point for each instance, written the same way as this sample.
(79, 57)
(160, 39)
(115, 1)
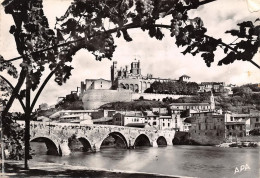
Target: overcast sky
(161, 58)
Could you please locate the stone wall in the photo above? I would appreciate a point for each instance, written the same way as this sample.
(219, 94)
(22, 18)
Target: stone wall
(249, 139)
(93, 99)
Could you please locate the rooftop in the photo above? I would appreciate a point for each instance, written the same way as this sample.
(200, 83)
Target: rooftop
(103, 119)
(189, 104)
(185, 76)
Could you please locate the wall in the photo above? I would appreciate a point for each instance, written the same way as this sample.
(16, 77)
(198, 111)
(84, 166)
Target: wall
(93, 99)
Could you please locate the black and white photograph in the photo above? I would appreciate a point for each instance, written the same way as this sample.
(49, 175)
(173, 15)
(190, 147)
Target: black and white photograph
(130, 88)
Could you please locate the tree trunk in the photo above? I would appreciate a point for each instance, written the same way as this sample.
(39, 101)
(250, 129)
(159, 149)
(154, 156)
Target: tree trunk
(27, 123)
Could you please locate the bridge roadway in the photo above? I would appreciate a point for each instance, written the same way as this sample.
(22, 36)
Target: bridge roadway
(56, 135)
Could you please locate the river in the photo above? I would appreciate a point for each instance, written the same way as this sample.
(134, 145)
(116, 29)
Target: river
(197, 161)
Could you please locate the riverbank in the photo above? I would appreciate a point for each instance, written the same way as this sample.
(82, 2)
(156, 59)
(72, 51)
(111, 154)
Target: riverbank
(41, 169)
(239, 145)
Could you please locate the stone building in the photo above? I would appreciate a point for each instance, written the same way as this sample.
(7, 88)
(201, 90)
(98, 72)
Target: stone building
(211, 86)
(239, 125)
(194, 106)
(184, 78)
(132, 78)
(207, 128)
(124, 118)
(97, 84)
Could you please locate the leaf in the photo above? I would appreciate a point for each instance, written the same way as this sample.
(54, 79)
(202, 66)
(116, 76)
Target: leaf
(126, 35)
(233, 32)
(159, 35)
(230, 58)
(225, 50)
(246, 24)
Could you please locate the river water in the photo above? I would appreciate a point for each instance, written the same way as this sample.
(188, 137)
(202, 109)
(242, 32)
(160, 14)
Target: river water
(194, 161)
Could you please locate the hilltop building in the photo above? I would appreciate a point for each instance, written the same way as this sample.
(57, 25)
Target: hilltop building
(94, 84)
(132, 78)
(216, 87)
(195, 106)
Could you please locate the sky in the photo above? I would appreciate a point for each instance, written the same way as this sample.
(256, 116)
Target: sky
(161, 58)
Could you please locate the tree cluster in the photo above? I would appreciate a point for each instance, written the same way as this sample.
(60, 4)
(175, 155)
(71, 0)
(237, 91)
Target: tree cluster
(242, 100)
(178, 87)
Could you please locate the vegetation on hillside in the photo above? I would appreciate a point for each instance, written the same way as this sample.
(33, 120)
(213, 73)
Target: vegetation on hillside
(138, 105)
(177, 87)
(244, 98)
(65, 104)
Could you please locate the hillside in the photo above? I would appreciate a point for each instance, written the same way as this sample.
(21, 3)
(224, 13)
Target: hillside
(138, 105)
(64, 105)
(245, 97)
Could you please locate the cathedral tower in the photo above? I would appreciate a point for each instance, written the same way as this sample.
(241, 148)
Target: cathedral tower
(135, 68)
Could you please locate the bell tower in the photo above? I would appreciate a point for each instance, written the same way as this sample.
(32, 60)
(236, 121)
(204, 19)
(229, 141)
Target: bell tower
(135, 68)
(113, 72)
(212, 101)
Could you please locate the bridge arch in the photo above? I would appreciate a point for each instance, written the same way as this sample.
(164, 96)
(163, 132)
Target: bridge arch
(142, 140)
(121, 85)
(119, 138)
(136, 88)
(161, 141)
(52, 146)
(85, 143)
(131, 87)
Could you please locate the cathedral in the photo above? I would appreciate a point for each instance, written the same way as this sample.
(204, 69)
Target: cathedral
(132, 79)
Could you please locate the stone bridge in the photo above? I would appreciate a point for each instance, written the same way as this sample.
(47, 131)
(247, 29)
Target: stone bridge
(56, 135)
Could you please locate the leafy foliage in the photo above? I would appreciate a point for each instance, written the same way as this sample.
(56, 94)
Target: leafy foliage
(89, 24)
(13, 135)
(173, 88)
(248, 43)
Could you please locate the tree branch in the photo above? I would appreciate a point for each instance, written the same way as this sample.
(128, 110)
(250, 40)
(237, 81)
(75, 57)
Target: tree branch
(15, 91)
(41, 88)
(12, 87)
(219, 41)
(202, 2)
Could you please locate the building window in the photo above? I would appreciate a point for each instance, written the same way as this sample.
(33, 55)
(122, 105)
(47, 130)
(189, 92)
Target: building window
(168, 124)
(154, 123)
(227, 127)
(163, 124)
(257, 119)
(231, 119)
(233, 127)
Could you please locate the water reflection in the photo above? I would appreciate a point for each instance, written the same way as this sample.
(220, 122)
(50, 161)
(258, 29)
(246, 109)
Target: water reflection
(173, 160)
